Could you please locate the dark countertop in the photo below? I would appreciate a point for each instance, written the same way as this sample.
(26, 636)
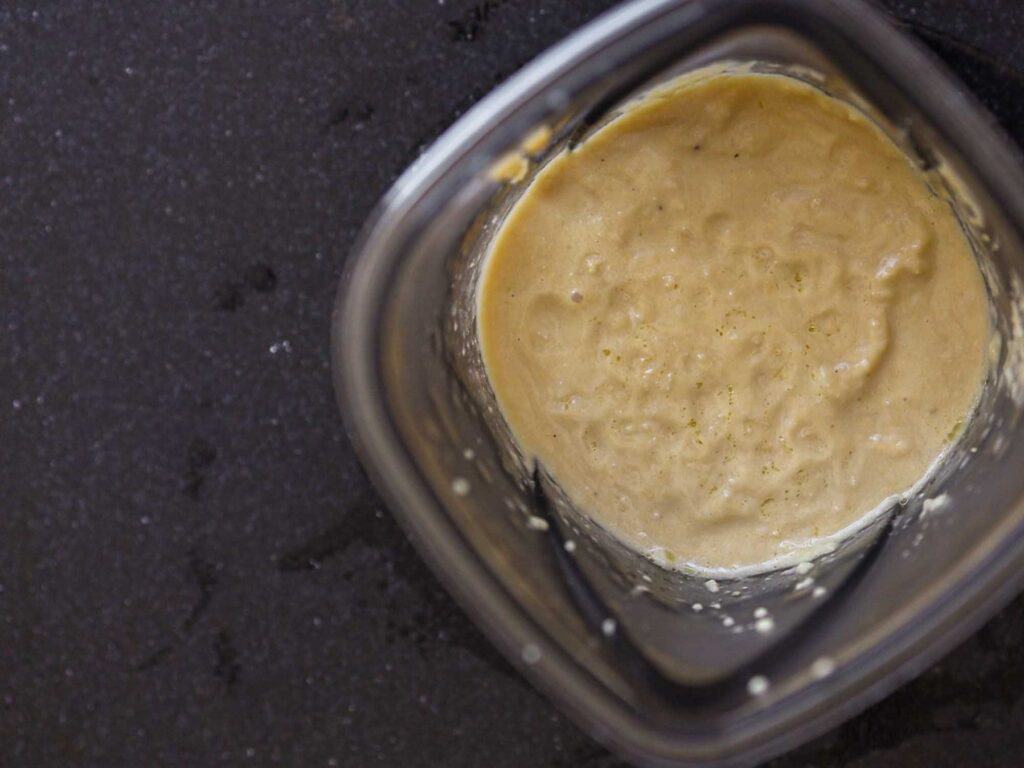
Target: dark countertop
(194, 569)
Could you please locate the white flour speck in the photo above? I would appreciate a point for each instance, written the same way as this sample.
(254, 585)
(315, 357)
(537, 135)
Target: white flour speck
(765, 625)
(535, 523)
(570, 545)
(460, 486)
(468, 454)
(711, 585)
(804, 584)
(728, 621)
(804, 568)
(697, 607)
(819, 592)
(608, 627)
(531, 653)
(760, 613)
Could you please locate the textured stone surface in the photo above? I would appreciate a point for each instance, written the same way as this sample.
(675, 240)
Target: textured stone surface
(194, 570)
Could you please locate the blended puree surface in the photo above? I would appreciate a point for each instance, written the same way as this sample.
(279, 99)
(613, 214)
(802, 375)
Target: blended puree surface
(733, 321)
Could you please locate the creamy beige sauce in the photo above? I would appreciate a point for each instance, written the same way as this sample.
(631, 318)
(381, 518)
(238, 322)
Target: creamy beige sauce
(735, 320)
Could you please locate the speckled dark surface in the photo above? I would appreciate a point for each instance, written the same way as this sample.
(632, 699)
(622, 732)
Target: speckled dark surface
(194, 569)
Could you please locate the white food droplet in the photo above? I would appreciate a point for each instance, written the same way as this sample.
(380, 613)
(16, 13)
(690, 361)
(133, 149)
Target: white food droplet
(757, 685)
(823, 667)
(935, 504)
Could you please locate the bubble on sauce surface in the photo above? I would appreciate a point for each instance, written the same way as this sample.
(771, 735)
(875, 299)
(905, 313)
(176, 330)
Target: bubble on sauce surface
(548, 325)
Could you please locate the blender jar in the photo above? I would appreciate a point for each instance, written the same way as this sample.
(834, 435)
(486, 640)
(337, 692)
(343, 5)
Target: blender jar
(667, 667)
